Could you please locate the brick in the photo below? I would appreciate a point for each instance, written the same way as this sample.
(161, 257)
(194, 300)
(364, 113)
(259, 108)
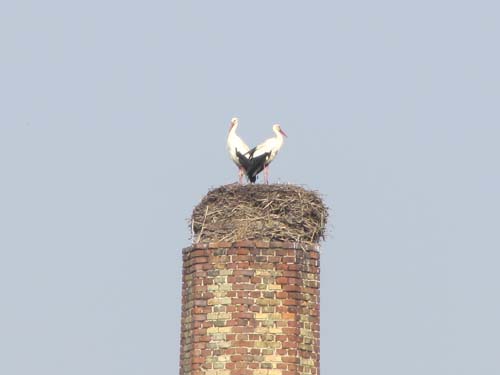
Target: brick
(274, 287)
(198, 253)
(199, 245)
(244, 243)
(282, 280)
(215, 245)
(262, 244)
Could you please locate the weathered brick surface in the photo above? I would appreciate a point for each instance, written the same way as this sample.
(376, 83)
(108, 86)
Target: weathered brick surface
(250, 308)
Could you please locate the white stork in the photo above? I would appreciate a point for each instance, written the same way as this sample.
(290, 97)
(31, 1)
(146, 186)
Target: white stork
(261, 156)
(237, 148)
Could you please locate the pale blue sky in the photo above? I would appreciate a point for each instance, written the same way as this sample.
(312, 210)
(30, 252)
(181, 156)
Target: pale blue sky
(113, 122)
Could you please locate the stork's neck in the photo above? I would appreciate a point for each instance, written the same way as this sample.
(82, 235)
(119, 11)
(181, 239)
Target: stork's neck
(232, 131)
(279, 136)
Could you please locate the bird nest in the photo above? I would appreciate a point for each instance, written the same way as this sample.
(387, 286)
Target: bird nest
(275, 212)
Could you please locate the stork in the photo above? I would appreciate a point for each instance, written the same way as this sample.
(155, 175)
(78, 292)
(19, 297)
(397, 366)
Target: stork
(237, 149)
(262, 155)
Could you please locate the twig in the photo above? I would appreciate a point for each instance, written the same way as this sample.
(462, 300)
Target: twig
(203, 224)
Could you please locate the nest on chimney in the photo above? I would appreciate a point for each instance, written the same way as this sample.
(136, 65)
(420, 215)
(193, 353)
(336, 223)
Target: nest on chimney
(277, 212)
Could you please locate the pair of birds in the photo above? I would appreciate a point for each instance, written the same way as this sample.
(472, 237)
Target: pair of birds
(251, 162)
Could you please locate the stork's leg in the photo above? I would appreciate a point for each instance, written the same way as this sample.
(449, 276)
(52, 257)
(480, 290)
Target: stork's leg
(266, 174)
(242, 172)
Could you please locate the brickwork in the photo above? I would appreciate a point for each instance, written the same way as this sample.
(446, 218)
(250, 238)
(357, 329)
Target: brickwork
(250, 308)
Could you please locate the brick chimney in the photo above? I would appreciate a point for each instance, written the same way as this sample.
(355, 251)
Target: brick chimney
(250, 307)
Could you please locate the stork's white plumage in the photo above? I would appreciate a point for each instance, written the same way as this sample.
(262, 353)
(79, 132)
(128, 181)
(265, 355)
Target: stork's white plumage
(235, 146)
(261, 156)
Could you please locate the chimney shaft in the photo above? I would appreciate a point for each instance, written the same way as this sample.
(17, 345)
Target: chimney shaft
(250, 308)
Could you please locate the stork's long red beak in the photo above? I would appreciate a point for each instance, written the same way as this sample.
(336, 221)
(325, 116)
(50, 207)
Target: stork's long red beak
(282, 132)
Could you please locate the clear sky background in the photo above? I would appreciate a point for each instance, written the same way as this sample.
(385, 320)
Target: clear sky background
(113, 121)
